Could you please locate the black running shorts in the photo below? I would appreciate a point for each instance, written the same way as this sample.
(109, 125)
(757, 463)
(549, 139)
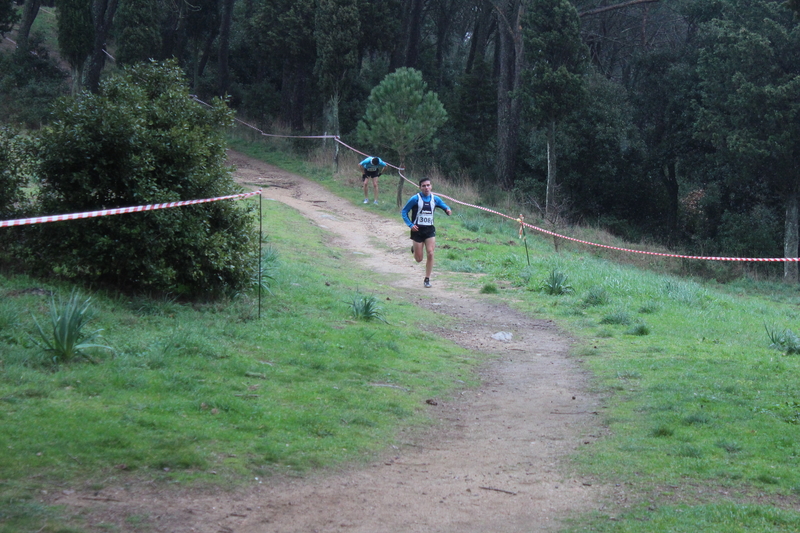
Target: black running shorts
(424, 233)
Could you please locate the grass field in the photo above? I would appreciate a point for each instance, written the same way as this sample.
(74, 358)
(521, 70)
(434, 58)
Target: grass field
(701, 399)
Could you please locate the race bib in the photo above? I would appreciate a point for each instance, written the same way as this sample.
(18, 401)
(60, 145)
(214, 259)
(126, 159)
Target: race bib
(425, 219)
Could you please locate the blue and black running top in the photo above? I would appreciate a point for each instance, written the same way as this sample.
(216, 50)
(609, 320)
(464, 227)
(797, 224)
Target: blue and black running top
(368, 165)
(421, 209)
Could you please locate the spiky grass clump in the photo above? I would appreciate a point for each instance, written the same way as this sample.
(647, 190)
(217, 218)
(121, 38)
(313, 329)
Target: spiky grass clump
(66, 337)
(366, 308)
(784, 340)
(556, 284)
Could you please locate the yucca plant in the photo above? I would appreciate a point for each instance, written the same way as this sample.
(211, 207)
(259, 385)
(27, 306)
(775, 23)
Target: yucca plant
(556, 283)
(783, 340)
(269, 265)
(67, 338)
(366, 308)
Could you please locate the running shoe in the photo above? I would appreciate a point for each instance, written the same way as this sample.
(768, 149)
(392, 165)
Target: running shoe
(427, 283)
(375, 202)
(366, 201)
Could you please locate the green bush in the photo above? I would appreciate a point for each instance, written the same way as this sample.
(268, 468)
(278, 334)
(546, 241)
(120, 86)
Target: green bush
(143, 140)
(29, 82)
(13, 164)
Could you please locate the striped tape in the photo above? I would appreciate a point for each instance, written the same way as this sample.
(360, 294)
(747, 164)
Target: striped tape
(120, 210)
(547, 232)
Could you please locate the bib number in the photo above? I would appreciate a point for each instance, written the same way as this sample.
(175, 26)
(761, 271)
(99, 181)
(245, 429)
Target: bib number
(425, 219)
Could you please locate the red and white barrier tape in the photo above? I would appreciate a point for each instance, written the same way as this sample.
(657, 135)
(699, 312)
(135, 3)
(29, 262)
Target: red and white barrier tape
(542, 230)
(119, 210)
(660, 254)
(338, 140)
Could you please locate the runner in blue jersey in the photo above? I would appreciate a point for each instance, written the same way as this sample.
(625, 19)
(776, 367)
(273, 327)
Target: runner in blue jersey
(372, 167)
(420, 207)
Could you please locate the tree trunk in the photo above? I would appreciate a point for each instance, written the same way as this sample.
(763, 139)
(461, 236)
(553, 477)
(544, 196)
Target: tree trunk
(172, 40)
(103, 16)
(484, 26)
(791, 239)
(508, 104)
(414, 34)
(670, 180)
(299, 97)
(201, 67)
(550, 199)
(224, 46)
(400, 182)
(29, 13)
(445, 14)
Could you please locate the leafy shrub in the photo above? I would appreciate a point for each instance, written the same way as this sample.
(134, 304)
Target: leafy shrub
(66, 338)
(142, 140)
(30, 82)
(556, 284)
(14, 172)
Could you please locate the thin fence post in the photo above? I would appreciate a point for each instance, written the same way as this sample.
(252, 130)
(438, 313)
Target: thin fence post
(260, 242)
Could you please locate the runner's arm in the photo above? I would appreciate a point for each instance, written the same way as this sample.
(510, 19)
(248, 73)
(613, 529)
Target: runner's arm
(407, 209)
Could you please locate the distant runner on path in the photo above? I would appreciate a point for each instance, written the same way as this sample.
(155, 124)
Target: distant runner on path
(372, 167)
(421, 207)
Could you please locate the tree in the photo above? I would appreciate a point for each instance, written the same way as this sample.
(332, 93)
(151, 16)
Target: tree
(8, 16)
(139, 36)
(750, 103)
(510, 56)
(103, 12)
(337, 31)
(554, 82)
(29, 13)
(75, 36)
(142, 140)
(402, 115)
(282, 33)
(224, 47)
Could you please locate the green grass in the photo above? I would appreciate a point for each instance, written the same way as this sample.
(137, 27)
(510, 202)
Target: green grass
(700, 414)
(700, 402)
(207, 393)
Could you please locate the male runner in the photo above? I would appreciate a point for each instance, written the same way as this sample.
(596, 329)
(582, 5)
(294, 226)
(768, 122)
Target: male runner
(372, 167)
(421, 207)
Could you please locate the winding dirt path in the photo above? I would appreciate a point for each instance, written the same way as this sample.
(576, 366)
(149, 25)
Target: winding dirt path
(494, 463)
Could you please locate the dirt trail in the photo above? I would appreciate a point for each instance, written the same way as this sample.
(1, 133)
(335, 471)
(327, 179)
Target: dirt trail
(493, 464)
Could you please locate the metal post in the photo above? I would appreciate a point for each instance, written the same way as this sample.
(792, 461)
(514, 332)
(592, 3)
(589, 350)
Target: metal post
(260, 241)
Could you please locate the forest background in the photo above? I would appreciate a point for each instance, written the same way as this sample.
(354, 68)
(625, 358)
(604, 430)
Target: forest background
(665, 121)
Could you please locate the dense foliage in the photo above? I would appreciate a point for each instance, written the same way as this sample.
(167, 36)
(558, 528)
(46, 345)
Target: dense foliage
(12, 173)
(671, 120)
(142, 140)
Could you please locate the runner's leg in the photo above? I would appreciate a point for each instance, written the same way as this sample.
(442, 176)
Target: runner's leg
(418, 251)
(430, 244)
